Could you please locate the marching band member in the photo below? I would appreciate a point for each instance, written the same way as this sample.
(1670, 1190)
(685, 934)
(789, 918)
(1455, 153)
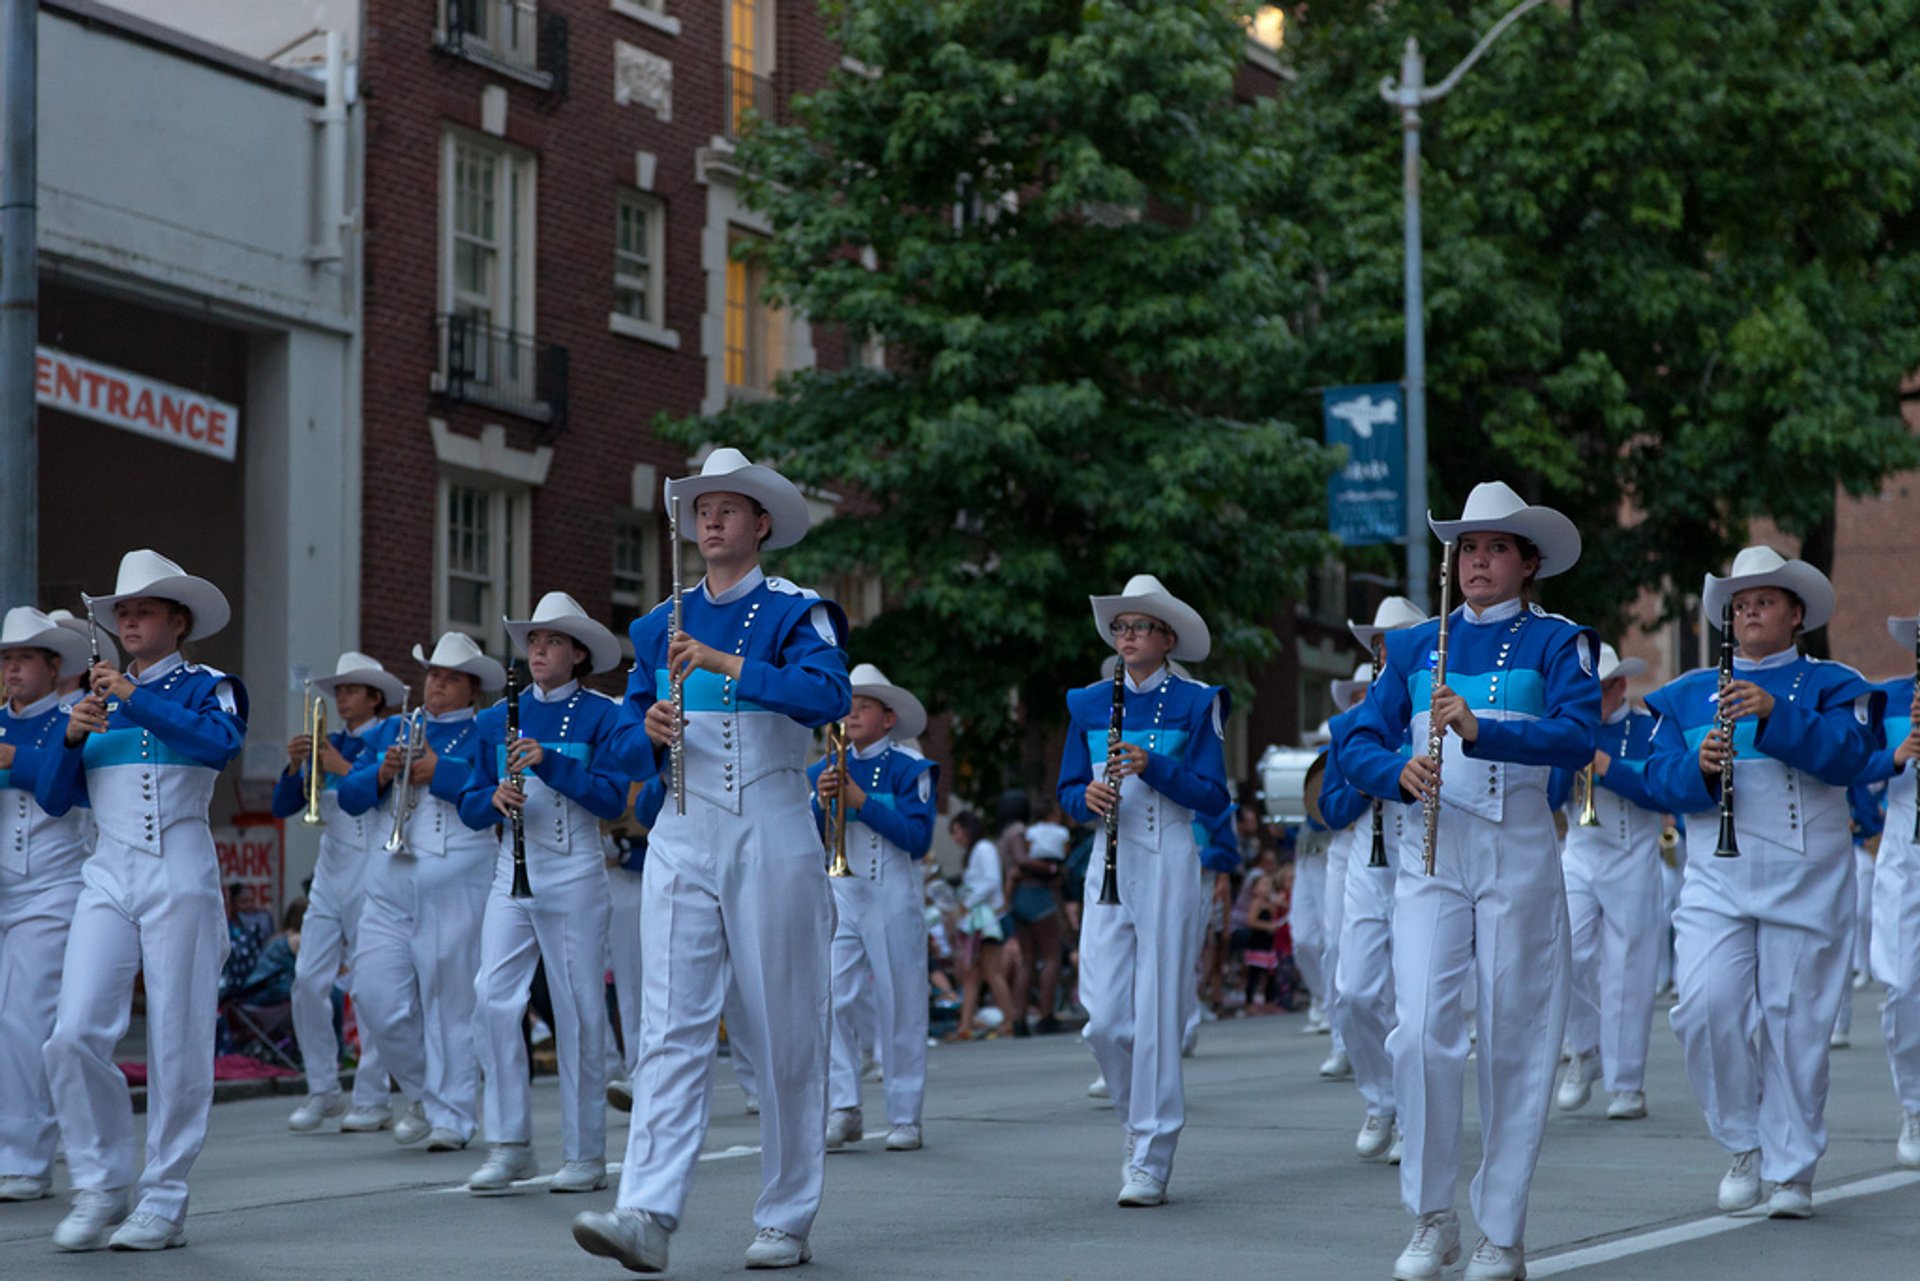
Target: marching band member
(567, 784)
(363, 692)
(419, 944)
(736, 885)
(1613, 907)
(1763, 941)
(40, 862)
(1896, 897)
(624, 875)
(1520, 699)
(1137, 959)
(881, 924)
(72, 680)
(144, 750)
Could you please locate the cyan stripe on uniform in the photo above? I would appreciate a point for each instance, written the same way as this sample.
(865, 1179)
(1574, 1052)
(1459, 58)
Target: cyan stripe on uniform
(884, 798)
(582, 752)
(1522, 691)
(122, 747)
(1898, 727)
(1166, 742)
(701, 692)
(1744, 731)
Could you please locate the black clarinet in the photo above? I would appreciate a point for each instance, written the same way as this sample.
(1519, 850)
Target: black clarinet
(521, 887)
(1379, 858)
(1729, 846)
(1110, 883)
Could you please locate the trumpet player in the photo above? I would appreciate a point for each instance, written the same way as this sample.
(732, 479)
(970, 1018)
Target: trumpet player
(1613, 905)
(566, 785)
(144, 749)
(419, 944)
(1763, 939)
(1137, 956)
(363, 693)
(735, 882)
(885, 803)
(1520, 699)
(40, 863)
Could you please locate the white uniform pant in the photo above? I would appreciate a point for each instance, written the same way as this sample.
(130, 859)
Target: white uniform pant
(1307, 922)
(34, 919)
(742, 896)
(1613, 909)
(1363, 976)
(740, 1049)
(1136, 962)
(164, 917)
(1896, 956)
(1863, 868)
(1333, 909)
(1493, 916)
(1757, 1004)
(623, 958)
(416, 957)
(881, 929)
(327, 936)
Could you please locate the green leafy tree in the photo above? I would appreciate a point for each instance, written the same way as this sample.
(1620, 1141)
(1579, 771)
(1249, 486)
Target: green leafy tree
(1075, 259)
(1673, 259)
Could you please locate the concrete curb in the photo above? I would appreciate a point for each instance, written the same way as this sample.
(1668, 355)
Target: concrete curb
(252, 1088)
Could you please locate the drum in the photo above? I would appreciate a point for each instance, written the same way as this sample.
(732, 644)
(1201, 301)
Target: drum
(1290, 784)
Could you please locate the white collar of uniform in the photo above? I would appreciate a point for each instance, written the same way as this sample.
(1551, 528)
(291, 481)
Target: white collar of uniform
(449, 718)
(560, 695)
(754, 578)
(35, 708)
(1494, 613)
(1741, 663)
(1621, 715)
(360, 730)
(878, 747)
(161, 668)
(1150, 684)
(69, 699)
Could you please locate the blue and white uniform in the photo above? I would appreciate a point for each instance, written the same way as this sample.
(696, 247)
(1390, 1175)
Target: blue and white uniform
(1896, 899)
(1613, 907)
(40, 861)
(151, 904)
(623, 924)
(1494, 913)
(1137, 959)
(736, 886)
(881, 924)
(348, 844)
(1219, 852)
(1763, 941)
(419, 944)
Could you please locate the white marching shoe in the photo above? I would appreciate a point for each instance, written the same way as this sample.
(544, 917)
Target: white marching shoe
(1627, 1105)
(1316, 1024)
(506, 1165)
(1399, 1145)
(1576, 1087)
(1740, 1185)
(1141, 1189)
(1792, 1200)
(752, 1105)
(1434, 1247)
(411, 1126)
(371, 1120)
(1098, 1089)
(316, 1108)
(620, 1095)
(844, 1126)
(441, 1139)
(903, 1138)
(1907, 1150)
(1376, 1136)
(24, 1187)
(144, 1231)
(772, 1248)
(632, 1238)
(1337, 1066)
(91, 1220)
(1840, 1040)
(1492, 1262)
(579, 1176)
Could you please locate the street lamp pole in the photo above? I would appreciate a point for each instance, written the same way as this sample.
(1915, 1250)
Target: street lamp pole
(1409, 94)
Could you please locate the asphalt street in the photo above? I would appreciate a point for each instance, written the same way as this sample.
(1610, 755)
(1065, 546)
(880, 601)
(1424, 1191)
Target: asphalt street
(1017, 1181)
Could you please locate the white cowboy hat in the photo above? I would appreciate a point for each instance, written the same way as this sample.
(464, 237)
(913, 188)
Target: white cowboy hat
(727, 471)
(1901, 629)
(147, 573)
(28, 628)
(1394, 613)
(355, 668)
(457, 652)
(1612, 665)
(91, 632)
(1761, 566)
(1343, 690)
(559, 612)
(909, 716)
(1494, 507)
(1145, 595)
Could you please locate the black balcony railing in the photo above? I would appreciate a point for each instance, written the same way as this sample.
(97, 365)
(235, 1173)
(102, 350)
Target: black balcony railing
(509, 35)
(492, 366)
(747, 96)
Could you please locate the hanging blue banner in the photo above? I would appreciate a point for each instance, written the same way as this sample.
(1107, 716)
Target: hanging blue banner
(1367, 497)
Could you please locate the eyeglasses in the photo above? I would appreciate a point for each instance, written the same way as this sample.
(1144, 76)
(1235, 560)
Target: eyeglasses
(1138, 627)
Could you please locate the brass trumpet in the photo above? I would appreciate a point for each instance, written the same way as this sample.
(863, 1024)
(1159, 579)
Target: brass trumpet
(1584, 781)
(413, 740)
(313, 723)
(836, 807)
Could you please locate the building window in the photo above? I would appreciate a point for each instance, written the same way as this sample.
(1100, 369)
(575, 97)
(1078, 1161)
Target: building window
(755, 328)
(507, 30)
(488, 233)
(636, 570)
(482, 559)
(749, 65)
(1268, 27)
(637, 278)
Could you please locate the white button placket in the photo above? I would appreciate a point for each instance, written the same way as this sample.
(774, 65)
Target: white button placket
(560, 802)
(872, 785)
(728, 746)
(1153, 745)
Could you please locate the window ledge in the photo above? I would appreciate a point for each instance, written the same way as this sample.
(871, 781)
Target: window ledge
(747, 395)
(492, 62)
(645, 331)
(640, 12)
(1268, 60)
(538, 411)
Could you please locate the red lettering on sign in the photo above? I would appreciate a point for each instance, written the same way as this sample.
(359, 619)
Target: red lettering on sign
(116, 398)
(170, 412)
(217, 427)
(196, 421)
(143, 408)
(42, 376)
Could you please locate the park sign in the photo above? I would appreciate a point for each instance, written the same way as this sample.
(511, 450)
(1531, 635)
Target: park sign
(1367, 497)
(145, 406)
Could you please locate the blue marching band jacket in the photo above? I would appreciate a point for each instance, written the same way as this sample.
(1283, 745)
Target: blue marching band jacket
(899, 784)
(34, 843)
(452, 739)
(1177, 721)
